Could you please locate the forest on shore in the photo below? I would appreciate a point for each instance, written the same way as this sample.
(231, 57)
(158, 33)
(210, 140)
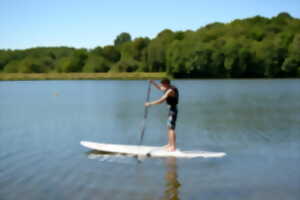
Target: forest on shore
(256, 47)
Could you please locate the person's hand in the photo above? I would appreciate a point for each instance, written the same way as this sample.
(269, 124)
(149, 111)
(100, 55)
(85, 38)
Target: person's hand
(147, 104)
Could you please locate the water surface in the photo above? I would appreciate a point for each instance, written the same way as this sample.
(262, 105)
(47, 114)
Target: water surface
(256, 122)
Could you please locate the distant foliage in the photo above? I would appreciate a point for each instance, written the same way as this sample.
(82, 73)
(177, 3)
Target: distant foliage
(122, 38)
(256, 47)
(96, 64)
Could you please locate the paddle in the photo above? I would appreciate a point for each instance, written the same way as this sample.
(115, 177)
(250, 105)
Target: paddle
(145, 114)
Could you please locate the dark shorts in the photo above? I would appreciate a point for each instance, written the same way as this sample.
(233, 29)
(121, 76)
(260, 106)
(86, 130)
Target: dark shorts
(172, 117)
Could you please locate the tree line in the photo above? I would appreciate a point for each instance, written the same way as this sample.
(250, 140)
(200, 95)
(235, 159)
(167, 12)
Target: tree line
(256, 47)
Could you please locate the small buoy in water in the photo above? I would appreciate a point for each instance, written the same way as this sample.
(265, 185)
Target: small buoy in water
(56, 94)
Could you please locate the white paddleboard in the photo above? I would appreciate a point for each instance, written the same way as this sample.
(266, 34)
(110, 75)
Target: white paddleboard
(150, 151)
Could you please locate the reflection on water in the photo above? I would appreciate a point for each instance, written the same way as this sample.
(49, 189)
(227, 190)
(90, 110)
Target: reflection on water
(112, 157)
(172, 182)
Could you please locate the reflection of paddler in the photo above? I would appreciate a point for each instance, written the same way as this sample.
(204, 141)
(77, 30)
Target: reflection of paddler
(172, 183)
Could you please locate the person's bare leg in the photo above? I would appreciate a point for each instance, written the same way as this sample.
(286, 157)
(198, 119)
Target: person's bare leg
(172, 139)
(167, 146)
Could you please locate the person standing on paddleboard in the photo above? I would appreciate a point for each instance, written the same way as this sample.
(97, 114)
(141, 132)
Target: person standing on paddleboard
(171, 97)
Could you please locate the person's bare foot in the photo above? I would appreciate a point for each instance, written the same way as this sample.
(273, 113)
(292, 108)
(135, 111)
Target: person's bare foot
(171, 148)
(166, 146)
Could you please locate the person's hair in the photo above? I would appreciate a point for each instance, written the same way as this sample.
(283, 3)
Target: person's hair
(165, 81)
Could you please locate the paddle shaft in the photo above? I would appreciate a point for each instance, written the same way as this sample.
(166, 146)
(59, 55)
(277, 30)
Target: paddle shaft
(145, 114)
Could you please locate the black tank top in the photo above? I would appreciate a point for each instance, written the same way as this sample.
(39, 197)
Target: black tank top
(173, 100)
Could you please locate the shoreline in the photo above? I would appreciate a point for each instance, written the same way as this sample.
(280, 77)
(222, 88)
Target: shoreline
(109, 76)
(82, 76)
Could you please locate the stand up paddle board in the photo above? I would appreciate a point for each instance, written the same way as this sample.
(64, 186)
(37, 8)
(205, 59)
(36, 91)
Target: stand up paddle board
(150, 151)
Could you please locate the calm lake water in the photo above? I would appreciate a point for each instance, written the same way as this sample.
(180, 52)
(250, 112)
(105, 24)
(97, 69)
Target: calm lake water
(256, 122)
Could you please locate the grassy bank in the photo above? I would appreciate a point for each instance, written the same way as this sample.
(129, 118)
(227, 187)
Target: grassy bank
(80, 76)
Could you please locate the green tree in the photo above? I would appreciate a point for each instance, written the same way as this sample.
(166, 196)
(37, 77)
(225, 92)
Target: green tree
(111, 53)
(199, 63)
(12, 67)
(96, 64)
(4, 58)
(122, 38)
(126, 66)
(291, 65)
(30, 65)
(157, 49)
(97, 51)
(73, 63)
(139, 47)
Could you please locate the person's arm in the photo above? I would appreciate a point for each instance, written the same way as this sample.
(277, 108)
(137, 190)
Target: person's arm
(159, 101)
(159, 87)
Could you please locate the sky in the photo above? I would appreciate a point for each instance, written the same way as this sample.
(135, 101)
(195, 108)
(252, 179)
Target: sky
(91, 23)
